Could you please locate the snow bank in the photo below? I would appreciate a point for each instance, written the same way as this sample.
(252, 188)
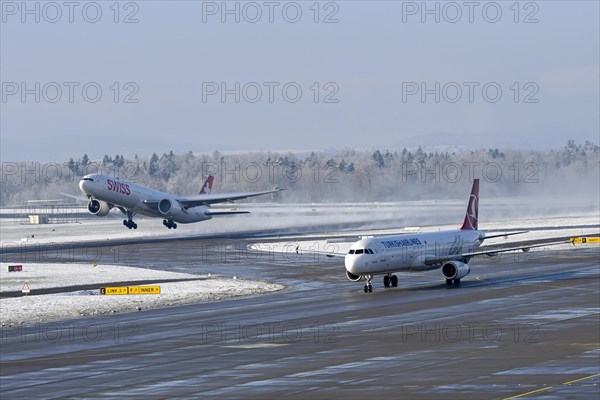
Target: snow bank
(37, 308)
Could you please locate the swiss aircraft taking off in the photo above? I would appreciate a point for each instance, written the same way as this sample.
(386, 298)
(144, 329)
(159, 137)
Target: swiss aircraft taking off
(105, 192)
(451, 250)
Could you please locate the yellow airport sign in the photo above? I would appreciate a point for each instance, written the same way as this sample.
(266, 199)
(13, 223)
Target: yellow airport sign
(117, 290)
(582, 240)
(114, 290)
(144, 289)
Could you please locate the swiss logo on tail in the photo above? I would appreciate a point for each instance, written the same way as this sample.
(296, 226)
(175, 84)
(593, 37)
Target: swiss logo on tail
(207, 187)
(470, 222)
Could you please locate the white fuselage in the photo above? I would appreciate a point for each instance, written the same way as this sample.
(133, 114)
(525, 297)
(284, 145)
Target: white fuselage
(409, 252)
(131, 196)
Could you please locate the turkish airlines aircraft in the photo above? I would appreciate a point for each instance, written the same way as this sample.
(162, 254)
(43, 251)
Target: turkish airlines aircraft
(105, 192)
(451, 250)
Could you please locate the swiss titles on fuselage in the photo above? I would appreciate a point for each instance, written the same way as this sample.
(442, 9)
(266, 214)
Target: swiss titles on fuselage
(118, 187)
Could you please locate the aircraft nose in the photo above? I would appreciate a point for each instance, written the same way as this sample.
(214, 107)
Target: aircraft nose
(84, 185)
(350, 263)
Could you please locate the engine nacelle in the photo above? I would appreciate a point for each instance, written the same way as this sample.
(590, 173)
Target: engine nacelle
(352, 277)
(99, 208)
(455, 270)
(166, 207)
(171, 209)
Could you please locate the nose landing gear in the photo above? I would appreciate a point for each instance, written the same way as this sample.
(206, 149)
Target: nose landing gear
(368, 287)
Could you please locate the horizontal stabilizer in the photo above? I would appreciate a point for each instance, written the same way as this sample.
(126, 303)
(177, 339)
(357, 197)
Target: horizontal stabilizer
(213, 213)
(77, 198)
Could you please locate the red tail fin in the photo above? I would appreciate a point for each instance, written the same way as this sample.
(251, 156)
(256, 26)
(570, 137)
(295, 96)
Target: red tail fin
(470, 222)
(207, 187)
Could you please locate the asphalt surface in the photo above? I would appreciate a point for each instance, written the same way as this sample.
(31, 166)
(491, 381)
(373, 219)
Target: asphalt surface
(523, 324)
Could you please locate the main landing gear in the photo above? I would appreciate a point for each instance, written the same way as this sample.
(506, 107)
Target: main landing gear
(449, 282)
(169, 223)
(390, 279)
(129, 221)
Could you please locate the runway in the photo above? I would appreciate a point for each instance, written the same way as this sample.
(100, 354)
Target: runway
(518, 325)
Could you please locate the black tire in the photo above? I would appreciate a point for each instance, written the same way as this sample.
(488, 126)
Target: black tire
(174, 225)
(370, 289)
(366, 289)
(386, 281)
(448, 282)
(394, 281)
(457, 282)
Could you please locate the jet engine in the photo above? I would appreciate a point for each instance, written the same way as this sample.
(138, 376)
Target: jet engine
(171, 209)
(99, 208)
(352, 277)
(166, 207)
(455, 270)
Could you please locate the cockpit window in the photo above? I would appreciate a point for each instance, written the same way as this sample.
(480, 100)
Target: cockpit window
(369, 251)
(351, 252)
(359, 251)
(87, 179)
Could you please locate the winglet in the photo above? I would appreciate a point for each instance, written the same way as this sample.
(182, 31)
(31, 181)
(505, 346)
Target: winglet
(470, 222)
(207, 187)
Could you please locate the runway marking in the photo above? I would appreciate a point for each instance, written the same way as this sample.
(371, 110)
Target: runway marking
(550, 387)
(528, 393)
(581, 379)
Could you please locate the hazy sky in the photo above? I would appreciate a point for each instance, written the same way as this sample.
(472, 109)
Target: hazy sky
(185, 75)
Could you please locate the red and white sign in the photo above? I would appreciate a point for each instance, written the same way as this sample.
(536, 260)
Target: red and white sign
(26, 288)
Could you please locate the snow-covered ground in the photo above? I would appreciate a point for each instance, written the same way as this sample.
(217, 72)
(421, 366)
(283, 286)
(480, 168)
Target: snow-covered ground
(538, 229)
(405, 217)
(45, 307)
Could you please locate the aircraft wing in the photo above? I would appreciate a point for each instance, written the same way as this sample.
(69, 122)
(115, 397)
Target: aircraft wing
(492, 251)
(208, 199)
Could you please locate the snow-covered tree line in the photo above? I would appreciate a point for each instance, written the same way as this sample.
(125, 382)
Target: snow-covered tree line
(344, 176)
